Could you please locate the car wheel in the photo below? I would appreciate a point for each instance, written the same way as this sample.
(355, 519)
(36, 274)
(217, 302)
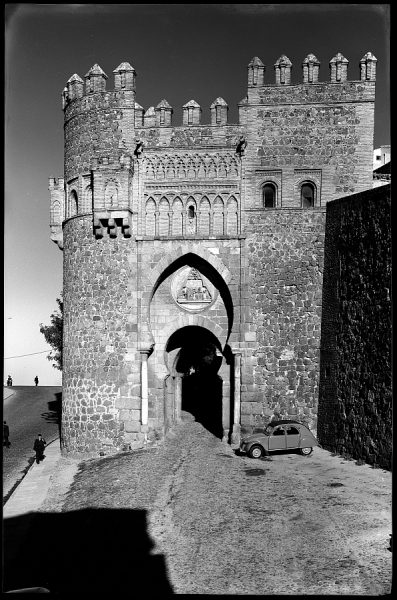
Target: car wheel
(255, 452)
(306, 451)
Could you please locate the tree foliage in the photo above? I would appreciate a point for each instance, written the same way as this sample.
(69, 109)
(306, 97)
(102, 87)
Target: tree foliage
(54, 335)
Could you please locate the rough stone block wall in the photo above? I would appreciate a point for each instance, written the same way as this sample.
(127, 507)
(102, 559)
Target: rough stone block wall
(97, 125)
(100, 331)
(355, 399)
(317, 132)
(283, 315)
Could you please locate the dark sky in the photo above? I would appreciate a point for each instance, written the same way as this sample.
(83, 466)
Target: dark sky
(180, 52)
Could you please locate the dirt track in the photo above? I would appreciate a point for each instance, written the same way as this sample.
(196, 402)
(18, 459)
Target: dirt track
(226, 524)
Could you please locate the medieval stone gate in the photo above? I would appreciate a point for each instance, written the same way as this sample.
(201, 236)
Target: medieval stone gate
(193, 254)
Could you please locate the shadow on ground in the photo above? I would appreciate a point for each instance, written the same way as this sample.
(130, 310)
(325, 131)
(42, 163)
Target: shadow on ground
(95, 551)
(54, 413)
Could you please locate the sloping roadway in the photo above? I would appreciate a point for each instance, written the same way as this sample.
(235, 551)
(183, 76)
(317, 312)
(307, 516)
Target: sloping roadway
(28, 411)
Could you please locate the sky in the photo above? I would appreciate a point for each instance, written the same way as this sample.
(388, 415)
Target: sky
(180, 52)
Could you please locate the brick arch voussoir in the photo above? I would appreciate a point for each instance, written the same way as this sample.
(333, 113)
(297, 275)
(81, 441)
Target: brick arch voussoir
(198, 320)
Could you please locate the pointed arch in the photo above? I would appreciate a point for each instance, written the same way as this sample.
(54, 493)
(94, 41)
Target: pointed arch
(88, 196)
(191, 216)
(150, 217)
(177, 212)
(232, 216)
(164, 219)
(204, 216)
(213, 269)
(56, 216)
(73, 203)
(218, 216)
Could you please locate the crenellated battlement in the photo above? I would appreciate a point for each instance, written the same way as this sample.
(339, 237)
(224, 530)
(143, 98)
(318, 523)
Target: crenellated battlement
(93, 94)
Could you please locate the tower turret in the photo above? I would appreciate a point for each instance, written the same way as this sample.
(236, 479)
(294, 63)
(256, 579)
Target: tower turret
(95, 80)
(338, 65)
(124, 77)
(219, 110)
(74, 88)
(163, 114)
(283, 67)
(256, 72)
(191, 113)
(368, 67)
(311, 67)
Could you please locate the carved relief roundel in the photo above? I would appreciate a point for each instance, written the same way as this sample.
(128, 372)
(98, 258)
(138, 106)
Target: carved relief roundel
(191, 290)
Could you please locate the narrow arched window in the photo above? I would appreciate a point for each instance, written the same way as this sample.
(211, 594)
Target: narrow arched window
(307, 195)
(73, 204)
(269, 195)
(190, 212)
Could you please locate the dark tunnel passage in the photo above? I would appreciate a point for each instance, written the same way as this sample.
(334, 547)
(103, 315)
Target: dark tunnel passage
(198, 361)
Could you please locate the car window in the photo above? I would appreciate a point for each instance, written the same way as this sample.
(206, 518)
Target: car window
(292, 430)
(278, 431)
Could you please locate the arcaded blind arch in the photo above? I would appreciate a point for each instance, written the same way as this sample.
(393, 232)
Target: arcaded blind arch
(204, 216)
(164, 209)
(218, 216)
(191, 216)
(177, 209)
(150, 218)
(269, 195)
(308, 192)
(73, 203)
(232, 216)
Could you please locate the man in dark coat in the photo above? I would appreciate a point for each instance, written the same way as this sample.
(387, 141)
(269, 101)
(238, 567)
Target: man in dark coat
(36, 380)
(6, 435)
(39, 445)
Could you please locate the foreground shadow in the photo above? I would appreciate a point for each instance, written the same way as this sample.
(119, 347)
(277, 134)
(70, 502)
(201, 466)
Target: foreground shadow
(92, 551)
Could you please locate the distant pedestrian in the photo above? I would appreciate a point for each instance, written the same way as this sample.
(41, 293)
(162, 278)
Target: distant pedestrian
(6, 435)
(36, 380)
(39, 445)
(9, 380)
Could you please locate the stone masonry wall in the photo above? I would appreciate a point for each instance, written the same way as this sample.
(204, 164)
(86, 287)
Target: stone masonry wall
(355, 403)
(315, 132)
(100, 300)
(285, 259)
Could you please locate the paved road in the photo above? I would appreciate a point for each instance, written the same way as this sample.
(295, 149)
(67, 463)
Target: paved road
(28, 411)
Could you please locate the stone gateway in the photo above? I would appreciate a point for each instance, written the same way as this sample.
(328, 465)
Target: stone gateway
(193, 253)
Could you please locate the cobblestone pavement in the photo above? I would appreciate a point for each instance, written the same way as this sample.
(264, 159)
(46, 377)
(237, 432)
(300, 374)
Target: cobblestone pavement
(226, 524)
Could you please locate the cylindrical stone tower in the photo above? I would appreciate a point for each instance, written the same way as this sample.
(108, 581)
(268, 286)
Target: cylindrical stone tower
(98, 218)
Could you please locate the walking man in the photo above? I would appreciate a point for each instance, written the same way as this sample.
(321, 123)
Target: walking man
(6, 435)
(9, 381)
(36, 380)
(39, 445)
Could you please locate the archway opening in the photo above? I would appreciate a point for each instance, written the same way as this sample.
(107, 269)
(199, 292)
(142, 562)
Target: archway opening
(199, 389)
